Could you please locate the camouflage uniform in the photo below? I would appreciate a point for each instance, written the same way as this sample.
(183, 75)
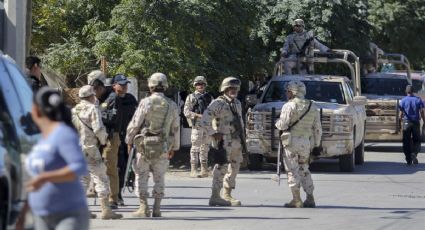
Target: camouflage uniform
(293, 46)
(90, 139)
(224, 176)
(199, 138)
(305, 135)
(87, 119)
(154, 111)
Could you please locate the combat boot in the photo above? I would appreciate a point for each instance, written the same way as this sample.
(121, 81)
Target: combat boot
(296, 201)
(143, 210)
(157, 208)
(204, 169)
(227, 196)
(309, 201)
(216, 200)
(107, 212)
(193, 170)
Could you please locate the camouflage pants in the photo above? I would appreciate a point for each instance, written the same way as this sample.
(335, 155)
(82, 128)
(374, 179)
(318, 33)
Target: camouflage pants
(97, 170)
(290, 65)
(225, 175)
(142, 167)
(200, 145)
(296, 161)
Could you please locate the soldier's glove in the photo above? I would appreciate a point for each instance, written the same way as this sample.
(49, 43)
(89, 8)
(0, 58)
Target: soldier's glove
(316, 151)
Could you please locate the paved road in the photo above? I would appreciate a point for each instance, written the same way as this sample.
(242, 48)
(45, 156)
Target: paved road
(383, 193)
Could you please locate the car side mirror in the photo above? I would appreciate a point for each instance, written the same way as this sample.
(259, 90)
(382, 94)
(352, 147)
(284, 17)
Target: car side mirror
(251, 99)
(360, 100)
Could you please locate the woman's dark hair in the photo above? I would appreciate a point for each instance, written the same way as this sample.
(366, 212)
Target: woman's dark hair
(52, 106)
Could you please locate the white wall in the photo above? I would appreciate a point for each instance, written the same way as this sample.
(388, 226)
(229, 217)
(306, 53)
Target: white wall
(14, 38)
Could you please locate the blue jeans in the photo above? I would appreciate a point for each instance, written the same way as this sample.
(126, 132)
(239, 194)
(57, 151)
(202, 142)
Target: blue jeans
(73, 220)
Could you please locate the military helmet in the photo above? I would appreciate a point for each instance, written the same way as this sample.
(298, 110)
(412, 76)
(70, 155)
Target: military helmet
(298, 22)
(230, 82)
(158, 79)
(86, 91)
(199, 79)
(96, 74)
(296, 87)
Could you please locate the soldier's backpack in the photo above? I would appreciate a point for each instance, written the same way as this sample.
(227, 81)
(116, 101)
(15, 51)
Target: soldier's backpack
(152, 141)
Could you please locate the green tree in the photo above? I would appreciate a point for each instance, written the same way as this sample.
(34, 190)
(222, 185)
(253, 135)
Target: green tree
(398, 27)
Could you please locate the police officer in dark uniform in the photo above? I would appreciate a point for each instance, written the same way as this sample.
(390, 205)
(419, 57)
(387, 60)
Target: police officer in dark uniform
(411, 111)
(117, 110)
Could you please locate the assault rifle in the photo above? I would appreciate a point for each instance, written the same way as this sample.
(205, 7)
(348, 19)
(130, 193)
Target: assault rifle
(129, 173)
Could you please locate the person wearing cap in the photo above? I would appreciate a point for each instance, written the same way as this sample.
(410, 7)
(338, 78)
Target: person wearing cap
(33, 65)
(299, 44)
(117, 111)
(195, 105)
(87, 119)
(155, 133)
(225, 112)
(300, 123)
(411, 111)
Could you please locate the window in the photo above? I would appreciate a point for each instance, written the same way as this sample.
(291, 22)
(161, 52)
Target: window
(384, 86)
(322, 91)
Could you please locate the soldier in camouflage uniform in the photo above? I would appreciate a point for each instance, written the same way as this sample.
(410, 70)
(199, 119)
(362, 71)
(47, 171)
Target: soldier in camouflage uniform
(222, 111)
(300, 44)
(86, 118)
(155, 132)
(304, 136)
(194, 106)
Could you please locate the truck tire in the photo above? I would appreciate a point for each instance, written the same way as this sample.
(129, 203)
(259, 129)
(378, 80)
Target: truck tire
(359, 153)
(255, 161)
(347, 161)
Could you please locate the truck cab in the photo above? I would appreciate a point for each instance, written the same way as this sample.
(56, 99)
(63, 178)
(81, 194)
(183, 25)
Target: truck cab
(342, 113)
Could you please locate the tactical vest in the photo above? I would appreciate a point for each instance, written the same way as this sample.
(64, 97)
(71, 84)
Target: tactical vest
(202, 102)
(155, 120)
(304, 127)
(297, 41)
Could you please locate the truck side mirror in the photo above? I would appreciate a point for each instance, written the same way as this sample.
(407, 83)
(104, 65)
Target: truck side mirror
(360, 100)
(251, 99)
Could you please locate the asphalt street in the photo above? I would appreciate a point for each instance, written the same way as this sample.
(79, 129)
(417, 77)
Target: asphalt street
(384, 193)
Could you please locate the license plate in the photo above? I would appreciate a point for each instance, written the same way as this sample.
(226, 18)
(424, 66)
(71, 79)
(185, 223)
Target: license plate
(375, 119)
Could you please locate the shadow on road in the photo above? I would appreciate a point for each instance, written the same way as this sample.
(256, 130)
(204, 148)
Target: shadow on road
(395, 210)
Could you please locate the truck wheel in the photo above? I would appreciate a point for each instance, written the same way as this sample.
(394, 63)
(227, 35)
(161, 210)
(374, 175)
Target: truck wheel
(255, 161)
(347, 161)
(359, 153)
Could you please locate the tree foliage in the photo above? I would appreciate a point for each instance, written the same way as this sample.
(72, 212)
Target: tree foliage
(185, 38)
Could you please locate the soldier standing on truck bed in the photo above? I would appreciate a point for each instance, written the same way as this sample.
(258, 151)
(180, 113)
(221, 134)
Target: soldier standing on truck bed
(302, 131)
(300, 44)
(195, 105)
(228, 132)
(411, 111)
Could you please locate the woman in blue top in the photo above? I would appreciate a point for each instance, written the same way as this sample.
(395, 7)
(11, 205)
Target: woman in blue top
(55, 164)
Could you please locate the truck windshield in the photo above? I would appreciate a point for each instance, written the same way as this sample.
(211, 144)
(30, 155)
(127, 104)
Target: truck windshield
(384, 86)
(322, 91)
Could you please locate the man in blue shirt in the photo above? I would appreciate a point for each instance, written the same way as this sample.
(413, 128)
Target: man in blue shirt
(411, 111)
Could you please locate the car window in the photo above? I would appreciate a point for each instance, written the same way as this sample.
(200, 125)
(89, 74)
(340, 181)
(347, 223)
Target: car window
(384, 86)
(322, 91)
(18, 99)
(8, 136)
(21, 86)
(350, 91)
(417, 85)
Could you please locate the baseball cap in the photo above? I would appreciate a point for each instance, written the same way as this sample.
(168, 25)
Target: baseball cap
(120, 79)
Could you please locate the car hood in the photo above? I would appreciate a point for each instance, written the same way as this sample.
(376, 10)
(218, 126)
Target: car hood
(382, 97)
(327, 108)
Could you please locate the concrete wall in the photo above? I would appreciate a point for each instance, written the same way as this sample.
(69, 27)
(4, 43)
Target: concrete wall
(14, 33)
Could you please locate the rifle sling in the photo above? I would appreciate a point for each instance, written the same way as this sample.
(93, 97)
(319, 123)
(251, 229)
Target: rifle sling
(301, 117)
